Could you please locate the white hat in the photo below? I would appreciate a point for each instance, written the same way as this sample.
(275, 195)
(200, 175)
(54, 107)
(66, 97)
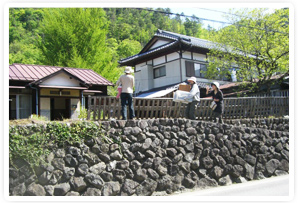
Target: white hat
(194, 79)
(216, 84)
(128, 69)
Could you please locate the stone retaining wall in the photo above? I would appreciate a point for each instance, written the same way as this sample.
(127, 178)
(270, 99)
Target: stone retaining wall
(279, 124)
(156, 157)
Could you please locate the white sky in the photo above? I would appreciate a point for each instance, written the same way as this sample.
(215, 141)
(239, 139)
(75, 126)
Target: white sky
(207, 14)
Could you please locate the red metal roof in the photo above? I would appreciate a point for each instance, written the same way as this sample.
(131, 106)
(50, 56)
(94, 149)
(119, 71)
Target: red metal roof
(30, 73)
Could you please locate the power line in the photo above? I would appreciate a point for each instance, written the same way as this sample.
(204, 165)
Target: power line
(207, 9)
(187, 16)
(205, 19)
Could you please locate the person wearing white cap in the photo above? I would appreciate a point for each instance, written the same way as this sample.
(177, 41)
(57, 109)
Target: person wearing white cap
(194, 97)
(127, 81)
(217, 97)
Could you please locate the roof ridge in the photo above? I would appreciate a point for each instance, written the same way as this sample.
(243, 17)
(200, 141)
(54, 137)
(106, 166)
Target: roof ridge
(173, 33)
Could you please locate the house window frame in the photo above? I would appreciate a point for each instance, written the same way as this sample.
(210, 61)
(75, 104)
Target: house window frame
(195, 62)
(158, 68)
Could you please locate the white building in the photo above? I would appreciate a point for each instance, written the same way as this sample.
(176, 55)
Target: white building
(168, 59)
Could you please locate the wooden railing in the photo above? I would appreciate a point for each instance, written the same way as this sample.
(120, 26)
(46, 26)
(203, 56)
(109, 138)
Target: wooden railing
(105, 108)
(279, 93)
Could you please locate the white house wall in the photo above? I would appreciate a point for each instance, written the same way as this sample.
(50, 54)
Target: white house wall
(159, 60)
(158, 43)
(74, 108)
(45, 107)
(138, 66)
(172, 56)
(61, 79)
(186, 55)
(199, 57)
(172, 74)
(143, 78)
(183, 70)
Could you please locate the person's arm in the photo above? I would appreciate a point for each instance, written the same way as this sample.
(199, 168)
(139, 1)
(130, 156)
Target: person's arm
(208, 94)
(133, 81)
(193, 90)
(119, 81)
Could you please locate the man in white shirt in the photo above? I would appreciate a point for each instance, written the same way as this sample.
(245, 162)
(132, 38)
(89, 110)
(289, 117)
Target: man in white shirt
(193, 98)
(127, 81)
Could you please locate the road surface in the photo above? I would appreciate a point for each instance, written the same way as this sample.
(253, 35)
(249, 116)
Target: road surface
(274, 186)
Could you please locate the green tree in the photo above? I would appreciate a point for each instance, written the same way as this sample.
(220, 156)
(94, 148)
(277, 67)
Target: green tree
(128, 48)
(256, 45)
(76, 37)
(23, 35)
(192, 27)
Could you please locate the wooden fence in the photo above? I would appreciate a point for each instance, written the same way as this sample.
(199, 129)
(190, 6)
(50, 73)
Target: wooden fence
(105, 108)
(278, 93)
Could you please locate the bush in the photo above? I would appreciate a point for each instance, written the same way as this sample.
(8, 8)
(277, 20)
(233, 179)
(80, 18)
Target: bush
(33, 142)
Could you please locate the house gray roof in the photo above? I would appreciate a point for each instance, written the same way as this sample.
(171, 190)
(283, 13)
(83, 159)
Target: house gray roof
(175, 39)
(197, 42)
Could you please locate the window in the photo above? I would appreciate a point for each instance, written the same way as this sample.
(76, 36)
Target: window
(159, 72)
(195, 69)
(65, 92)
(54, 92)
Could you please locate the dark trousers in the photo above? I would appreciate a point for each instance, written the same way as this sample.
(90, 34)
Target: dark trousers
(215, 116)
(191, 110)
(126, 99)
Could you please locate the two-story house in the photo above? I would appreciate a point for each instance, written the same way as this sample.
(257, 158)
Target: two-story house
(169, 59)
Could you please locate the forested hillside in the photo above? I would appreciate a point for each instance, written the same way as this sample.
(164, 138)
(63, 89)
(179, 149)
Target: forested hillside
(97, 38)
(92, 38)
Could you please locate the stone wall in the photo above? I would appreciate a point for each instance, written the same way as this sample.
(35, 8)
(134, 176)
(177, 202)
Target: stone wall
(156, 157)
(280, 124)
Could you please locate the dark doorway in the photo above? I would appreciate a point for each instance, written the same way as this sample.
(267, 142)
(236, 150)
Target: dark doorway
(53, 109)
(60, 108)
(12, 107)
(67, 108)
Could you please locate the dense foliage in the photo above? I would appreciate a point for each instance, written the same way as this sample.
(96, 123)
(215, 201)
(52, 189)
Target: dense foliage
(256, 45)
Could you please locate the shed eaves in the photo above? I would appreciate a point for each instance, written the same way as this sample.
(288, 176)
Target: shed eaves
(24, 72)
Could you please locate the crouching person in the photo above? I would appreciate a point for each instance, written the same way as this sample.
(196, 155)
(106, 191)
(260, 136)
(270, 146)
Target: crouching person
(194, 98)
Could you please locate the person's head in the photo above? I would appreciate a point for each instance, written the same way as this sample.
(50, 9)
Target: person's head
(128, 70)
(192, 80)
(215, 85)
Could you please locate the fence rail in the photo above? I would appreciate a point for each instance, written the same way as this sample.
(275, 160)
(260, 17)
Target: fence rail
(279, 93)
(105, 108)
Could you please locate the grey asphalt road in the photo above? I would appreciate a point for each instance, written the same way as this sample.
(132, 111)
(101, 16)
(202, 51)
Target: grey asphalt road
(274, 186)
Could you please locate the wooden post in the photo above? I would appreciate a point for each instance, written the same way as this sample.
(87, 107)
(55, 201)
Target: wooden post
(111, 108)
(89, 108)
(139, 109)
(170, 109)
(143, 109)
(104, 107)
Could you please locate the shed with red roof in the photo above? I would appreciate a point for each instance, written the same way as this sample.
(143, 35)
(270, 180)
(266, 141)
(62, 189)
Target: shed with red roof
(51, 91)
